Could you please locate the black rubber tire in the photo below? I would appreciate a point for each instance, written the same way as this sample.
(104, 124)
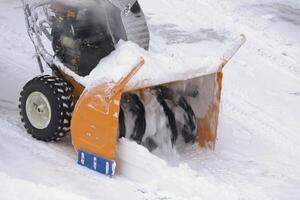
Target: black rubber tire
(59, 94)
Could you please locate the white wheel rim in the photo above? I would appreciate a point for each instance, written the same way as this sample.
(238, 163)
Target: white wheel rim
(38, 110)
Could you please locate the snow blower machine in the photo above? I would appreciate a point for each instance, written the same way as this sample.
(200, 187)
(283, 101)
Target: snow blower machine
(71, 38)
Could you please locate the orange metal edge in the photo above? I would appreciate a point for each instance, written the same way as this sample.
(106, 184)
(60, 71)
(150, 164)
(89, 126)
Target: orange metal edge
(208, 125)
(94, 125)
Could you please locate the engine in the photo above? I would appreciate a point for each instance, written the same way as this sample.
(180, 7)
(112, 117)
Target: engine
(81, 37)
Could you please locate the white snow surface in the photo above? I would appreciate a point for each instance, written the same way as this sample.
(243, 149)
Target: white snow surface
(257, 155)
(127, 55)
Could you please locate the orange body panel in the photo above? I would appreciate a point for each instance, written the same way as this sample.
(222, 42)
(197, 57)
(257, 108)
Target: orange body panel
(94, 125)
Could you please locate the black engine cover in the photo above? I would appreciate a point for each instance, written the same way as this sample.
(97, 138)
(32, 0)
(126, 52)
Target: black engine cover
(80, 38)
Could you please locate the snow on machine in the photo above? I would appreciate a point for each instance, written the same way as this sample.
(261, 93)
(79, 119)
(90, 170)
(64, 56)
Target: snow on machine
(152, 104)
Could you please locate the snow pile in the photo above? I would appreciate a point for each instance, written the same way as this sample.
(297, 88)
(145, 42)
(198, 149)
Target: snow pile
(159, 67)
(156, 176)
(15, 189)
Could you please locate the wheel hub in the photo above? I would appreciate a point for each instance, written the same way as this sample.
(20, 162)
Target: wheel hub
(38, 110)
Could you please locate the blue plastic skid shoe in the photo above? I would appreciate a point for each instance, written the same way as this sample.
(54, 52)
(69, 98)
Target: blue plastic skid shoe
(96, 163)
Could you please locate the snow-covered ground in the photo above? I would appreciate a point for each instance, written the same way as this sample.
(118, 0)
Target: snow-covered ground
(258, 150)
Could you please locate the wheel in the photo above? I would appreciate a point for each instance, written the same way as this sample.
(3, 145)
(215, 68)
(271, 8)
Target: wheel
(46, 104)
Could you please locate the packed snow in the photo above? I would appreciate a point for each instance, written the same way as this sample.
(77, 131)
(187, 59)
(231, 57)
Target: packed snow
(127, 55)
(257, 154)
(169, 61)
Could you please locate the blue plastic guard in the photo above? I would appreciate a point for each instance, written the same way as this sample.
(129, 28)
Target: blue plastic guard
(96, 163)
